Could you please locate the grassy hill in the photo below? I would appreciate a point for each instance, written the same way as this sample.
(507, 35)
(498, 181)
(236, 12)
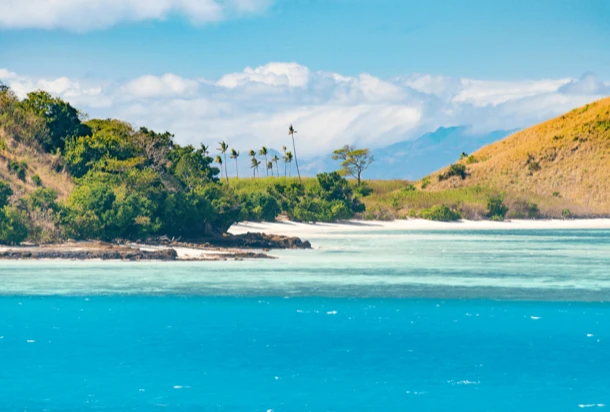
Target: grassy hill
(563, 163)
(22, 158)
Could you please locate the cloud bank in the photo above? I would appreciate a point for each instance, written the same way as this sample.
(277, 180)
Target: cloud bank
(254, 107)
(86, 15)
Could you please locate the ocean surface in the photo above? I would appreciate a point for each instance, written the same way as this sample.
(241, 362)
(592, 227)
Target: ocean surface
(370, 321)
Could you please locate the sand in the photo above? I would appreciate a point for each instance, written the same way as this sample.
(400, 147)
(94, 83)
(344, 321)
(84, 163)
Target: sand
(308, 230)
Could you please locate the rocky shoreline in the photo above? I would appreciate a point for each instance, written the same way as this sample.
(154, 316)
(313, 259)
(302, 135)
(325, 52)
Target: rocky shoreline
(225, 247)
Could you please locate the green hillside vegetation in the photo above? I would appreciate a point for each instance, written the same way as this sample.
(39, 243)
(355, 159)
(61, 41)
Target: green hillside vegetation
(62, 177)
(558, 169)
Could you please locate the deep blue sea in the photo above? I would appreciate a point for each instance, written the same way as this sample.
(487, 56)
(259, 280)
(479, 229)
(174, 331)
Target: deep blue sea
(404, 321)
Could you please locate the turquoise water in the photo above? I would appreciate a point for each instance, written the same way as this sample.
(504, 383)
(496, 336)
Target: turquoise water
(460, 321)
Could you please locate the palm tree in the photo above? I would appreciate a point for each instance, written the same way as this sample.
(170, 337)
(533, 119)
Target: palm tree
(269, 167)
(205, 149)
(275, 160)
(284, 149)
(291, 132)
(223, 149)
(235, 155)
(264, 152)
(218, 160)
(288, 159)
(255, 164)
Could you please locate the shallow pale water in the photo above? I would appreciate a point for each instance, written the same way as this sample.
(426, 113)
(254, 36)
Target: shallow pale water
(460, 321)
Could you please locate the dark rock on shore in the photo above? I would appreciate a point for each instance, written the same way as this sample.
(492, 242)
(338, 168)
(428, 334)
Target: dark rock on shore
(89, 251)
(243, 241)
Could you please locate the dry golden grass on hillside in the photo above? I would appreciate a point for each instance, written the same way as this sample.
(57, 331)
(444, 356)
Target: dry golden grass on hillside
(38, 163)
(561, 163)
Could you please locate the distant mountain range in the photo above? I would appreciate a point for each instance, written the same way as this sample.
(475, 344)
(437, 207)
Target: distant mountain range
(413, 159)
(409, 159)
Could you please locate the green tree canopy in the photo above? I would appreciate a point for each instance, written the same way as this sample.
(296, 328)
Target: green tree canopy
(353, 161)
(62, 120)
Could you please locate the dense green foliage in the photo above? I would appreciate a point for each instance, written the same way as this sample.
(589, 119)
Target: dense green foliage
(62, 120)
(135, 183)
(496, 209)
(441, 213)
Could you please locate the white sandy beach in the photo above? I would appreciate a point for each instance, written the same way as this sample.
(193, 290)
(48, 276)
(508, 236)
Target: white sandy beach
(307, 230)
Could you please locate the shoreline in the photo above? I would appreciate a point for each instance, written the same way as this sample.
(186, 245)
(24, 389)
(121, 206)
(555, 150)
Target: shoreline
(308, 230)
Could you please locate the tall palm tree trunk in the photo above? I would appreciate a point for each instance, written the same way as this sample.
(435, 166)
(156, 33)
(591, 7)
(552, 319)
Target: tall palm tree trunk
(226, 172)
(236, 168)
(295, 158)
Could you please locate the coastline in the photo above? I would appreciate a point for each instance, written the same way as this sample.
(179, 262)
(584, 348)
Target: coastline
(309, 230)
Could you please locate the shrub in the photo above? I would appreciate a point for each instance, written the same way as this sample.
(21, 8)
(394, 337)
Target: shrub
(259, 207)
(37, 180)
(425, 182)
(472, 160)
(18, 168)
(412, 213)
(409, 188)
(555, 194)
(454, 170)
(534, 167)
(363, 190)
(441, 213)
(3, 145)
(5, 193)
(13, 229)
(566, 214)
(496, 209)
(463, 156)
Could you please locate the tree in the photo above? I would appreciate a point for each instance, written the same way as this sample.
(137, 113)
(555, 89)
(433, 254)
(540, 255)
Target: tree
(288, 159)
(264, 152)
(275, 159)
(284, 157)
(255, 164)
(5, 193)
(235, 155)
(269, 167)
(354, 161)
(291, 132)
(218, 159)
(62, 120)
(223, 149)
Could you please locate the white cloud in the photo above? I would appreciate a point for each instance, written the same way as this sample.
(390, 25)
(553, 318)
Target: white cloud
(272, 74)
(254, 107)
(166, 85)
(85, 15)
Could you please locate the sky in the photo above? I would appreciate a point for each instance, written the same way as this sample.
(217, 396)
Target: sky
(367, 72)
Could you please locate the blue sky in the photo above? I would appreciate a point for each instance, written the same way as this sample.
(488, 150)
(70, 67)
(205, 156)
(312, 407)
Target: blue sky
(483, 39)
(399, 66)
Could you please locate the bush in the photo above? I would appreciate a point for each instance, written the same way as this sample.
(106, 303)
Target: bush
(5, 193)
(18, 168)
(259, 207)
(13, 229)
(363, 190)
(409, 188)
(566, 214)
(556, 194)
(496, 209)
(425, 182)
(454, 170)
(472, 160)
(37, 180)
(440, 213)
